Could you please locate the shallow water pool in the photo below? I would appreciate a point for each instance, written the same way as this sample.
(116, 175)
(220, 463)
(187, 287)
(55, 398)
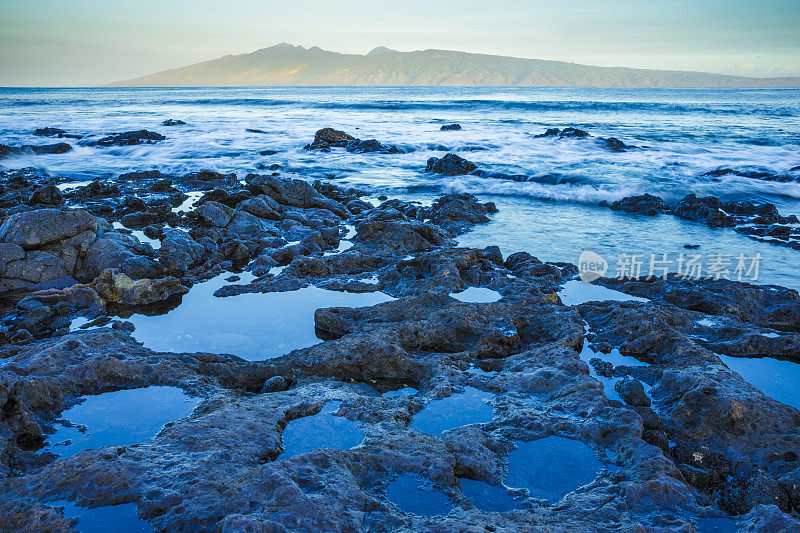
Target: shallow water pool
(119, 418)
(117, 518)
(576, 292)
(477, 295)
(776, 378)
(323, 430)
(415, 495)
(251, 326)
(460, 409)
(551, 467)
(491, 498)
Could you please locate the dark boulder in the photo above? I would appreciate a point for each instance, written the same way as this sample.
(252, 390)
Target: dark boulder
(707, 210)
(329, 137)
(294, 193)
(632, 391)
(644, 204)
(128, 138)
(371, 145)
(565, 133)
(49, 195)
(457, 213)
(54, 132)
(743, 493)
(33, 229)
(99, 189)
(34, 149)
(613, 144)
(141, 175)
(451, 127)
(173, 122)
(450, 165)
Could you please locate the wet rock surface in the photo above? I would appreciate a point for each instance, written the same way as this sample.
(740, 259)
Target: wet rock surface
(128, 138)
(34, 149)
(759, 221)
(450, 165)
(612, 144)
(328, 138)
(438, 396)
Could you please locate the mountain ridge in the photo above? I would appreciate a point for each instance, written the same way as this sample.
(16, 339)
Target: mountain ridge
(288, 65)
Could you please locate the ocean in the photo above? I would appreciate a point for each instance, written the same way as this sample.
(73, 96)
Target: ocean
(551, 193)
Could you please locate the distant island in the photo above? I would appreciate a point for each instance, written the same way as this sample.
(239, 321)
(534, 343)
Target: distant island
(287, 65)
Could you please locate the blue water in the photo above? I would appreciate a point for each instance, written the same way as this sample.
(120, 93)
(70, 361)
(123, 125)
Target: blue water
(119, 418)
(550, 213)
(323, 430)
(118, 518)
(491, 498)
(415, 495)
(253, 326)
(551, 467)
(459, 409)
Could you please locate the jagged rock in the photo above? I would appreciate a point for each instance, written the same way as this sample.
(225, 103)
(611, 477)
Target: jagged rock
(707, 210)
(457, 213)
(741, 494)
(763, 305)
(34, 229)
(129, 138)
(632, 391)
(450, 165)
(35, 149)
(566, 132)
(451, 127)
(295, 193)
(329, 137)
(99, 189)
(54, 132)
(613, 144)
(49, 195)
(179, 251)
(117, 288)
(173, 122)
(645, 204)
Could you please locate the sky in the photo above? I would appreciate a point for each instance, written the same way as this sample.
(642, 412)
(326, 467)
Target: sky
(91, 42)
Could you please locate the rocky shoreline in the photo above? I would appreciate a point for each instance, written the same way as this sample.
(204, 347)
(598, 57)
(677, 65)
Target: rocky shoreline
(691, 444)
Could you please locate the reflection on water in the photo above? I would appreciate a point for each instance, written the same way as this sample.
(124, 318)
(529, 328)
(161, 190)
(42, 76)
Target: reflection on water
(616, 359)
(491, 498)
(551, 467)
(477, 295)
(119, 418)
(322, 430)
(612, 234)
(252, 326)
(460, 409)
(415, 495)
(716, 525)
(578, 292)
(776, 378)
(117, 518)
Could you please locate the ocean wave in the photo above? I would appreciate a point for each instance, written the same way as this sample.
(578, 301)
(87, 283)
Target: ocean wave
(581, 194)
(550, 178)
(463, 105)
(575, 105)
(232, 102)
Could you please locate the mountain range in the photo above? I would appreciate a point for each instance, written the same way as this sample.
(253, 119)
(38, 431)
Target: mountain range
(287, 65)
